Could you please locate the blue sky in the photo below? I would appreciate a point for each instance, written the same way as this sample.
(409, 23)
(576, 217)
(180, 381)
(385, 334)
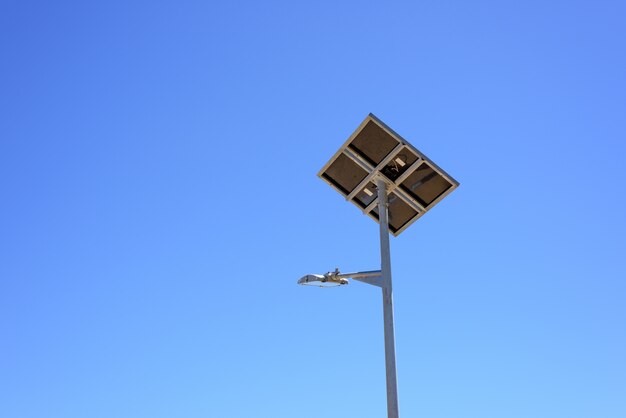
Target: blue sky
(159, 201)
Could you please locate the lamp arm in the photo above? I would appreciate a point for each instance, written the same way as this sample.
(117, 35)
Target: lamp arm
(373, 277)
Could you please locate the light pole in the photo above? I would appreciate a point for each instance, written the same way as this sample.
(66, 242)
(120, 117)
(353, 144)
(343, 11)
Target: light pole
(407, 185)
(385, 267)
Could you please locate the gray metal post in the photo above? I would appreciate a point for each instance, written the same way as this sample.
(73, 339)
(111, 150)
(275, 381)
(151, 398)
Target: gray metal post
(385, 261)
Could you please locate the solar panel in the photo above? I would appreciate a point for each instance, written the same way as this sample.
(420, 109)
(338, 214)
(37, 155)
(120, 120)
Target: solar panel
(415, 184)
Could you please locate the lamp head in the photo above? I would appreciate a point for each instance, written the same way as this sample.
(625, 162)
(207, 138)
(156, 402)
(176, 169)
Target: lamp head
(327, 280)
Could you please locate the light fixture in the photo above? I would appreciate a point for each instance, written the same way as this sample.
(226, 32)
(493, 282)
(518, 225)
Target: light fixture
(336, 278)
(326, 280)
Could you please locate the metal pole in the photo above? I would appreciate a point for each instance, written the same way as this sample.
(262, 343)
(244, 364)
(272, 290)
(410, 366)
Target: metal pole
(385, 267)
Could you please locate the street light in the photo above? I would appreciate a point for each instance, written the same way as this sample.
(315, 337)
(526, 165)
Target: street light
(395, 184)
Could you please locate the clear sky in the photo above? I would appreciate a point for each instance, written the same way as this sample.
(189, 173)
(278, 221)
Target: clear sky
(159, 201)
